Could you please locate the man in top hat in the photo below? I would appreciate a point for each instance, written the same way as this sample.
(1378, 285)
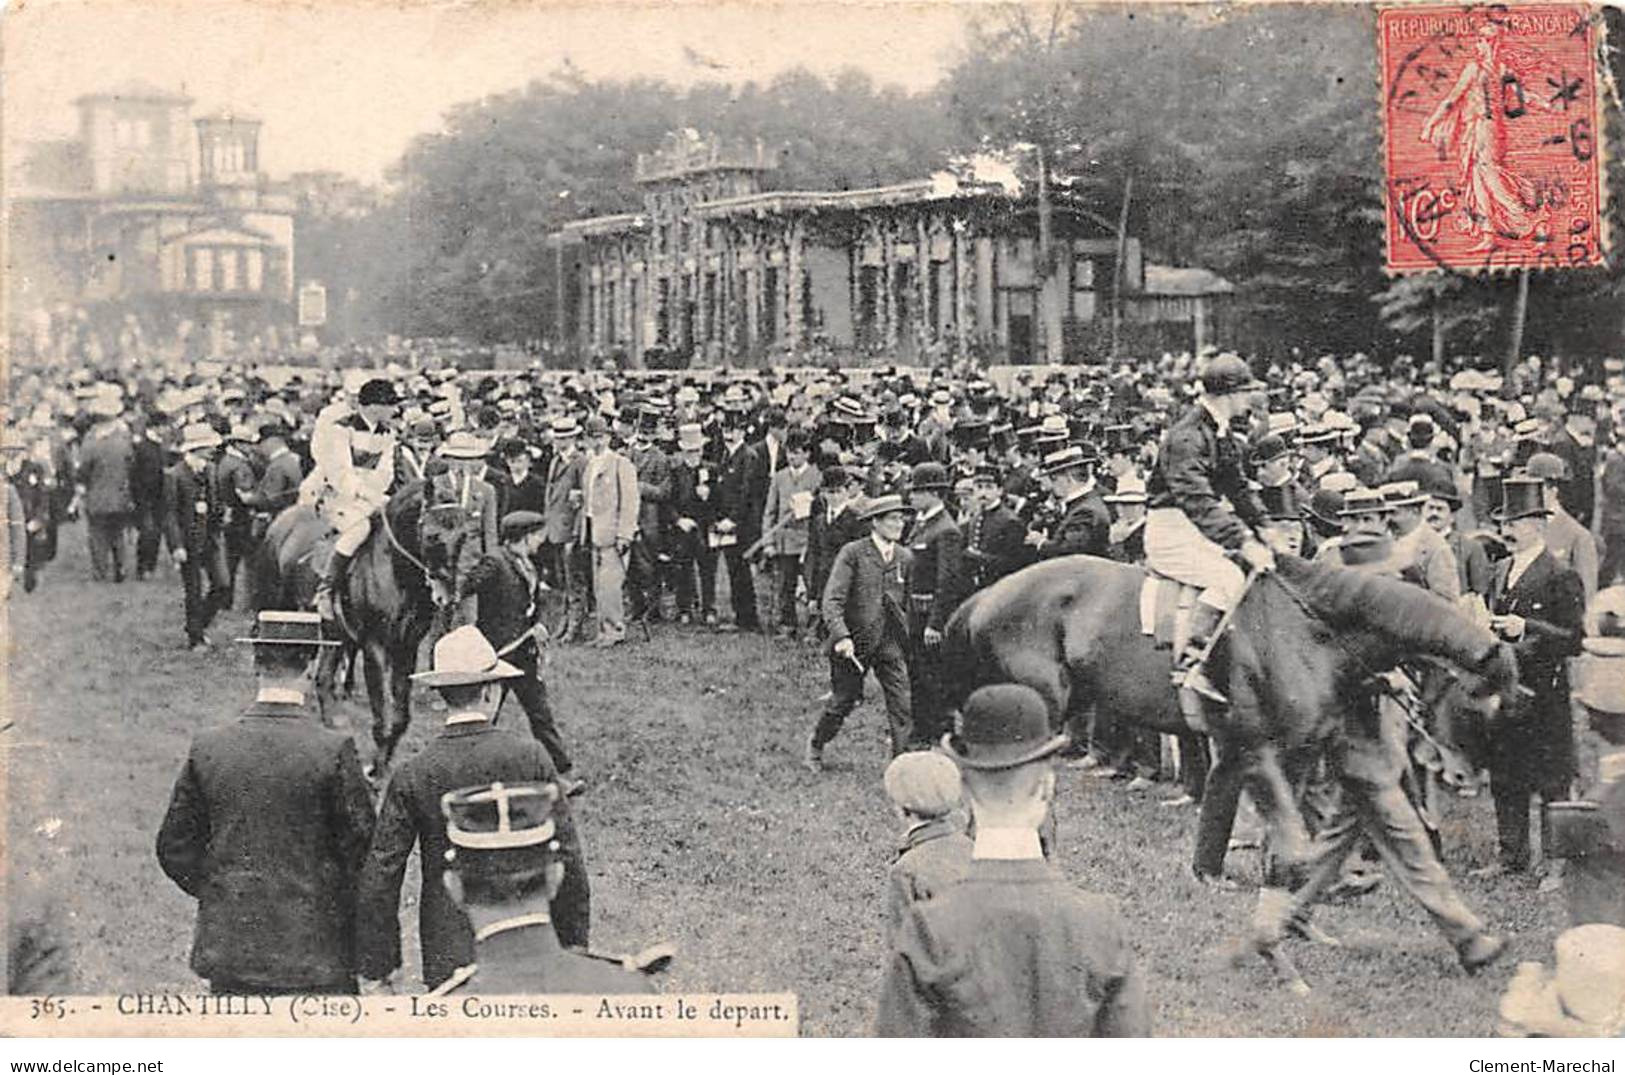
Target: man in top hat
(103, 477)
(354, 453)
(1005, 547)
(938, 580)
(1190, 533)
(1538, 605)
(505, 869)
(507, 588)
(194, 523)
(460, 498)
(1012, 950)
(741, 470)
(566, 565)
(1282, 526)
(833, 524)
(1568, 541)
(519, 487)
(787, 517)
(470, 677)
(693, 502)
(267, 827)
(650, 554)
(148, 458)
(1084, 522)
(609, 522)
(865, 610)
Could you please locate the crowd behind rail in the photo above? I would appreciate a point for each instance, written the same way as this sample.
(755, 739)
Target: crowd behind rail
(598, 506)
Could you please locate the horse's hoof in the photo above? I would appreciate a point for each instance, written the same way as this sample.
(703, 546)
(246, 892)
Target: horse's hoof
(1480, 951)
(1299, 988)
(1217, 882)
(1312, 933)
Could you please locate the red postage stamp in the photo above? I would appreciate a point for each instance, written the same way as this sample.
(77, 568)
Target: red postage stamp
(1494, 138)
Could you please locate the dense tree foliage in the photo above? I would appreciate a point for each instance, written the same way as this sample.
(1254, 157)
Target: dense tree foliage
(1245, 139)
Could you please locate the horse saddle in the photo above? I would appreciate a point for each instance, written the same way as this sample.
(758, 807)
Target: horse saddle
(1165, 609)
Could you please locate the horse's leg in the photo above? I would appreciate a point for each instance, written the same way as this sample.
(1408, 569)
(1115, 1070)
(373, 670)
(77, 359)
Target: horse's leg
(1272, 794)
(373, 667)
(402, 659)
(326, 697)
(1219, 801)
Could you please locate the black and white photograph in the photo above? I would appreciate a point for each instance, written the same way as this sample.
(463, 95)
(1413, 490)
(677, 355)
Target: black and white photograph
(814, 519)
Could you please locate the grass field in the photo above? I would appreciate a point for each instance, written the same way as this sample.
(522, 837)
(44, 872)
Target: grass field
(700, 828)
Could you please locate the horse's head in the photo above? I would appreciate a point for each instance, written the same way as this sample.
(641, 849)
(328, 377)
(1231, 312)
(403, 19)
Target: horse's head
(427, 535)
(1468, 704)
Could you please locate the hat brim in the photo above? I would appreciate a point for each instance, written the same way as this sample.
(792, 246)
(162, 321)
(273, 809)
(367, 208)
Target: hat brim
(197, 445)
(290, 641)
(501, 670)
(1004, 755)
(1500, 515)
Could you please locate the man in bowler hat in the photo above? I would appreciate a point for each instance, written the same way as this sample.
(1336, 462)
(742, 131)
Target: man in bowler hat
(1012, 950)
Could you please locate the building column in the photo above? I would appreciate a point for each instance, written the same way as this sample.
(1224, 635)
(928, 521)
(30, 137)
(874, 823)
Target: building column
(922, 285)
(795, 316)
(960, 292)
(888, 287)
(987, 318)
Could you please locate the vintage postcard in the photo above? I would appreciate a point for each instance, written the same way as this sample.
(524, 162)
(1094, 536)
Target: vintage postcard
(813, 519)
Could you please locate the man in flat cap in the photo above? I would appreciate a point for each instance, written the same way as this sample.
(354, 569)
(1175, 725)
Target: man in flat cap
(469, 749)
(508, 591)
(505, 866)
(266, 828)
(1012, 950)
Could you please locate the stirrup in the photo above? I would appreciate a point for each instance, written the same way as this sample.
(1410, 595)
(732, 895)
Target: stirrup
(324, 603)
(1196, 681)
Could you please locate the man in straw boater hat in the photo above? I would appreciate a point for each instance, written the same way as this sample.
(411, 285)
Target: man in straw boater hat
(267, 828)
(194, 527)
(1538, 605)
(504, 866)
(469, 750)
(865, 610)
(462, 493)
(1013, 949)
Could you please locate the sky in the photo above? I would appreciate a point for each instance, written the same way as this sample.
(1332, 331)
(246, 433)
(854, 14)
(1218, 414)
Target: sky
(345, 84)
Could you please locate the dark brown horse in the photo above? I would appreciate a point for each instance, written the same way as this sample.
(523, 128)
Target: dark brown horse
(1303, 640)
(386, 602)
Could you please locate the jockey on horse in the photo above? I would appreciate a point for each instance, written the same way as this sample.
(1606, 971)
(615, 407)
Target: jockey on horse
(1190, 532)
(354, 453)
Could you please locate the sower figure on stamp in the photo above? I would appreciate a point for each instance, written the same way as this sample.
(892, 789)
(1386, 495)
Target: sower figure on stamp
(865, 611)
(267, 827)
(505, 867)
(194, 514)
(505, 587)
(354, 455)
(1012, 950)
(468, 674)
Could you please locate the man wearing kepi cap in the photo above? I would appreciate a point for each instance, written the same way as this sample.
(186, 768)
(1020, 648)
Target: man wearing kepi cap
(1189, 531)
(504, 867)
(1012, 950)
(267, 827)
(506, 588)
(469, 750)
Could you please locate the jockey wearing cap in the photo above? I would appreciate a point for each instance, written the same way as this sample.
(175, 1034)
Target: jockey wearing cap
(1201, 508)
(354, 453)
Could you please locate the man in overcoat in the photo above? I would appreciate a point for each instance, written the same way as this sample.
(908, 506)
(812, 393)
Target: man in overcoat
(468, 750)
(266, 828)
(1537, 605)
(194, 520)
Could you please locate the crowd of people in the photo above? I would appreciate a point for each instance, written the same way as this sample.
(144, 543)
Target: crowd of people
(852, 508)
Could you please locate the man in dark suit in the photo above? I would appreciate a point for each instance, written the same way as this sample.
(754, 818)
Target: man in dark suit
(833, 524)
(1012, 950)
(1004, 531)
(1538, 606)
(505, 586)
(1085, 522)
(565, 564)
(866, 613)
(103, 477)
(468, 750)
(267, 827)
(693, 503)
(147, 461)
(194, 520)
(509, 863)
(237, 480)
(741, 495)
(519, 487)
(938, 581)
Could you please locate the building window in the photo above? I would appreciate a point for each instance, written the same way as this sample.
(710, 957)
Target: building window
(203, 269)
(228, 270)
(254, 270)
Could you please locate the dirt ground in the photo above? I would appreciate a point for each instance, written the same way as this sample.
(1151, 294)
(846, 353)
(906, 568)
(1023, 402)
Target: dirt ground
(700, 828)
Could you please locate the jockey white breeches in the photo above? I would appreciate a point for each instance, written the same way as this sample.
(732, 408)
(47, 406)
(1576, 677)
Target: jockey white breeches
(351, 537)
(1175, 548)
